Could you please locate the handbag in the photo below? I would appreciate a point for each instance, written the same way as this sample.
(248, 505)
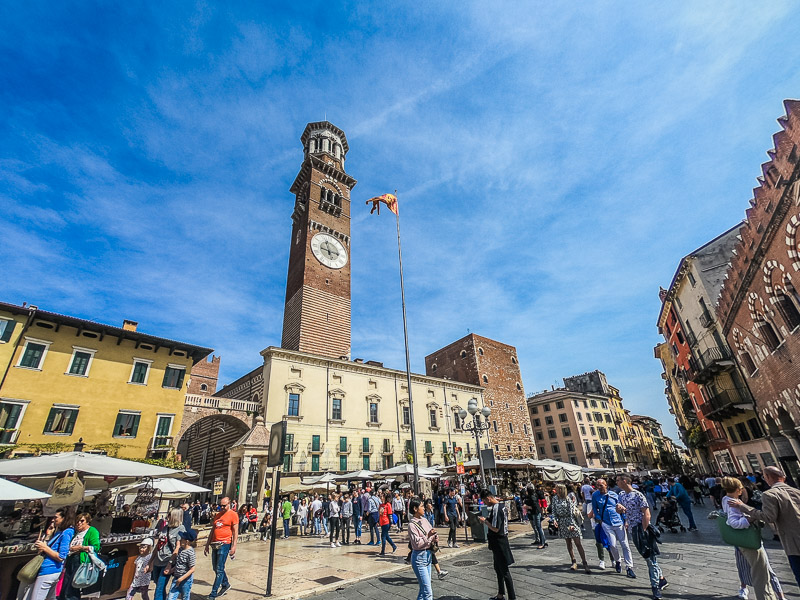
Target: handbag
(30, 571)
(743, 538)
(88, 573)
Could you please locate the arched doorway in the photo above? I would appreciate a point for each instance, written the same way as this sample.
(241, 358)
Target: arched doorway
(204, 445)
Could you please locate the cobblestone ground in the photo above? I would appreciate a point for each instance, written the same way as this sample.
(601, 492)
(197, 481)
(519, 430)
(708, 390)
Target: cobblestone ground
(697, 565)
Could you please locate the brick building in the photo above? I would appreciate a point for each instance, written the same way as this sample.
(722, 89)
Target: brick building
(484, 362)
(759, 306)
(204, 376)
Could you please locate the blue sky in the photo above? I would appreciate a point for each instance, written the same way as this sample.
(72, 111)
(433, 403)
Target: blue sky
(553, 163)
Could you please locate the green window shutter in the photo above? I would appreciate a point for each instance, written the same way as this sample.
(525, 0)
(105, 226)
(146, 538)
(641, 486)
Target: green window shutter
(48, 426)
(32, 356)
(7, 329)
(73, 416)
(181, 375)
(118, 424)
(167, 373)
(343, 462)
(135, 428)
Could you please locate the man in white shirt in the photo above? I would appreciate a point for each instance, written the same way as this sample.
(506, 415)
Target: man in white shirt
(586, 491)
(316, 505)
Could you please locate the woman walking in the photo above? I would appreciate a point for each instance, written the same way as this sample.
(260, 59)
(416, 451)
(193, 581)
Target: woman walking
(753, 565)
(497, 522)
(421, 535)
(564, 510)
(54, 547)
(86, 538)
(302, 516)
(333, 519)
(385, 522)
(166, 551)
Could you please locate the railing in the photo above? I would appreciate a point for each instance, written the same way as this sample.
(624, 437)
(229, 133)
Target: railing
(292, 450)
(161, 442)
(711, 361)
(726, 403)
(222, 403)
(318, 450)
(690, 338)
(706, 320)
(366, 449)
(387, 449)
(345, 449)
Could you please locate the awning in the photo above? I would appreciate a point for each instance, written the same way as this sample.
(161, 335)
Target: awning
(11, 492)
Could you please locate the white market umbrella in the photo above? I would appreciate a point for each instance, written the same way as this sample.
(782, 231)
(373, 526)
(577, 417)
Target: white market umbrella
(555, 470)
(361, 475)
(326, 478)
(38, 471)
(11, 492)
(408, 469)
(170, 488)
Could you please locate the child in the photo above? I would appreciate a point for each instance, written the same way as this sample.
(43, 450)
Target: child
(141, 578)
(183, 567)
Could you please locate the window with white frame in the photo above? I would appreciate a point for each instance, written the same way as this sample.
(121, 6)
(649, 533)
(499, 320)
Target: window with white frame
(163, 429)
(140, 371)
(11, 413)
(294, 405)
(173, 376)
(61, 420)
(432, 413)
(33, 353)
(81, 361)
(336, 409)
(406, 414)
(373, 412)
(127, 424)
(6, 329)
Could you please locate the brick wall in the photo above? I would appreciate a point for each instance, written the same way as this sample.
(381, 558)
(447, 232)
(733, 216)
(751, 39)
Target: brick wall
(763, 275)
(493, 365)
(204, 373)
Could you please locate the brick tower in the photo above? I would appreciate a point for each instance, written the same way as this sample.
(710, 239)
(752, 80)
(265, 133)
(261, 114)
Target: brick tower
(493, 365)
(316, 317)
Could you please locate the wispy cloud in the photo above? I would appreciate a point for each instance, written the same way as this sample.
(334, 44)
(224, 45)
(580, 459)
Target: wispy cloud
(553, 166)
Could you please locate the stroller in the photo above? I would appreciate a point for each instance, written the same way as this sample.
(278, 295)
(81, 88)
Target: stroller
(668, 517)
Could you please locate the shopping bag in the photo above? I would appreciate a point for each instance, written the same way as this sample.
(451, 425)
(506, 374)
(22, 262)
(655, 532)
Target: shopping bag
(743, 538)
(30, 571)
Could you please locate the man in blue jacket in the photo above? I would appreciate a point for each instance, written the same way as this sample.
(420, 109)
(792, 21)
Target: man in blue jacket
(604, 511)
(680, 494)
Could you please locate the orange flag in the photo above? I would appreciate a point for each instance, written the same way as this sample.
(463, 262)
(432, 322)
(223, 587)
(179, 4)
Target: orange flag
(390, 200)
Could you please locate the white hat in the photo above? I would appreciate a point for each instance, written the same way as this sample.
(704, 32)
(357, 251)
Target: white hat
(146, 542)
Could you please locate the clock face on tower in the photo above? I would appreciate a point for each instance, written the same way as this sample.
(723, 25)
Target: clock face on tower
(329, 251)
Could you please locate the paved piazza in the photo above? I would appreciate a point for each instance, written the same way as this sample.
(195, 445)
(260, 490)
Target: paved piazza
(696, 564)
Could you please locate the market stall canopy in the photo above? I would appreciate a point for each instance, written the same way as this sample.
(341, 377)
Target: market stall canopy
(11, 492)
(299, 487)
(325, 478)
(362, 475)
(38, 471)
(170, 488)
(408, 469)
(555, 470)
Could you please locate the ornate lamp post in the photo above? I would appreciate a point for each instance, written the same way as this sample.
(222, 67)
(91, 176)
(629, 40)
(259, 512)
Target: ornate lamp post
(478, 426)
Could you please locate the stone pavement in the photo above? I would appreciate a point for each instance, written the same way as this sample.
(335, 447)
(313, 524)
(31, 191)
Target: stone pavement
(696, 564)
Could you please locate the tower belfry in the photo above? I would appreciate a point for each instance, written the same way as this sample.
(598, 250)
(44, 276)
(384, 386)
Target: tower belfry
(316, 317)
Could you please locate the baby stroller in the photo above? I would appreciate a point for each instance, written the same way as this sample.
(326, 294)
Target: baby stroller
(668, 517)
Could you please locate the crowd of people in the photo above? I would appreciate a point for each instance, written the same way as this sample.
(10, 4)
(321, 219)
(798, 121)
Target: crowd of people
(618, 514)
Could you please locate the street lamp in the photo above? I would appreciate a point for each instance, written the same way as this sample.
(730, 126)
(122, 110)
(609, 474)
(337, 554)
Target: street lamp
(609, 452)
(478, 426)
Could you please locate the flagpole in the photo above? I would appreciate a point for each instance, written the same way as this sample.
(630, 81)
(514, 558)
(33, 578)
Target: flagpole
(408, 360)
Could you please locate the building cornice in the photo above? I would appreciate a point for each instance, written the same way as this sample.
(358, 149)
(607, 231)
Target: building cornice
(365, 369)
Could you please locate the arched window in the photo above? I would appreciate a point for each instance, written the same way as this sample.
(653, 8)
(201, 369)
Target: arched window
(463, 354)
(203, 387)
(787, 309)
(485, 379)
(768, 333)
(747, 362)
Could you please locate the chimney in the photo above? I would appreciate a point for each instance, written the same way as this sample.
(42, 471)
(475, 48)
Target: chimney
(129, 325)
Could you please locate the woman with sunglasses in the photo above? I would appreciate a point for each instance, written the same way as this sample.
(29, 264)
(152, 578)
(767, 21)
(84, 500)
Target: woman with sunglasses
(86, 538)
(54, 547)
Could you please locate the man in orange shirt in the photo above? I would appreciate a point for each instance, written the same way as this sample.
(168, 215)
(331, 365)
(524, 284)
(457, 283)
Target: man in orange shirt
(222, 541)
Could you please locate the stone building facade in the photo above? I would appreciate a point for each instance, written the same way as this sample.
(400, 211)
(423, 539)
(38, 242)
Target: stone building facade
(493, 365)
(759, 306)
(727, 434)
(204, 376)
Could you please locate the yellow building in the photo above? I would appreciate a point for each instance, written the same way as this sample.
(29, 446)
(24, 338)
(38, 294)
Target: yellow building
(64, 379)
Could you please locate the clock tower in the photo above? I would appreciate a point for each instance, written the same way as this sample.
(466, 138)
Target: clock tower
(316, 316)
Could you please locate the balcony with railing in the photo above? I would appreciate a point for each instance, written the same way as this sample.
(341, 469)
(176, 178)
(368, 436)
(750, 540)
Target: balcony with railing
(291, 448)
(160, 446)
(316, 448)
(366, 448)
(706, 319)
(387, 449)
(222, 403)
(710, 363)
(345, 448)
(727, 403)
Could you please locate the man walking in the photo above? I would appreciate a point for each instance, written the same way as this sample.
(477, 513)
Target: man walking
(452, 510)
(286, 513)
(502, 559)
(374, 506)
(222, 543)
(586, 491)
(634, 506)
(357, 513)
(677, 491)
(399, 509)
(604, 510)
(781, 509)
